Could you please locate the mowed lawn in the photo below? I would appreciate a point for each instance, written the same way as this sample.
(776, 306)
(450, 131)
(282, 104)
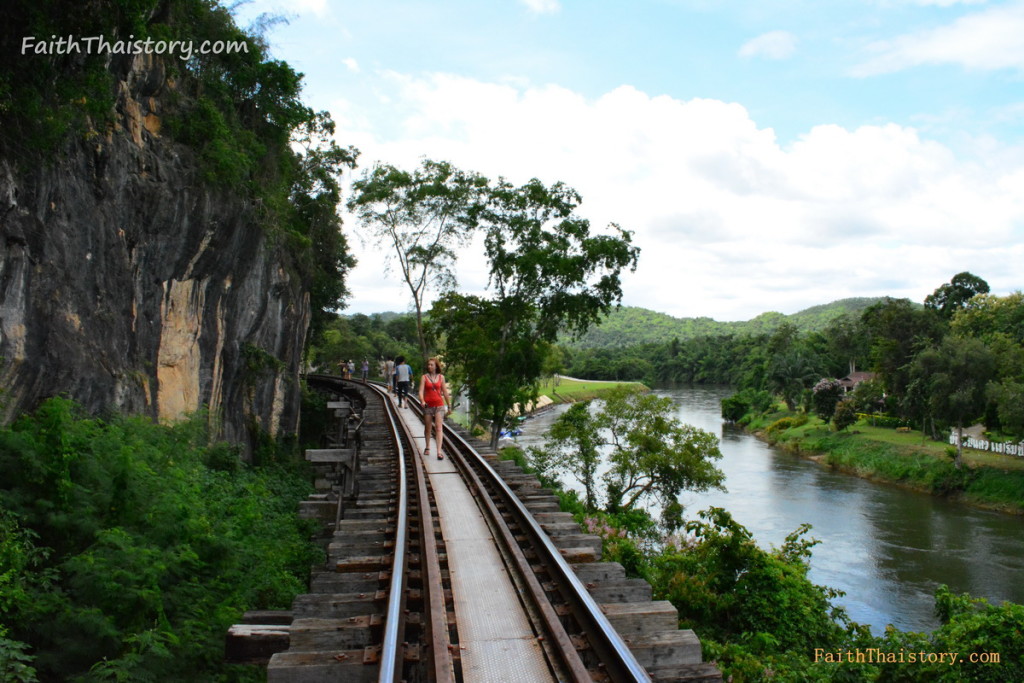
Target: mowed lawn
(564, 390)
(913, 442)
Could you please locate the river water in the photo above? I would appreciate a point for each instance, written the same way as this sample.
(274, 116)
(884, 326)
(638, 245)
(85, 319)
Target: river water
(887, 548)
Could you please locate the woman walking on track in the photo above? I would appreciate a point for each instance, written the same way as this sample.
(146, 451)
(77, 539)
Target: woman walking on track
(435, 399)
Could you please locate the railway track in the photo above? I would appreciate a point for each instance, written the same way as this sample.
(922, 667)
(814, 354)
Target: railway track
(390, 601)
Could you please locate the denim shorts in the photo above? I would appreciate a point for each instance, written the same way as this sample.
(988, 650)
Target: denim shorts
(430, 411)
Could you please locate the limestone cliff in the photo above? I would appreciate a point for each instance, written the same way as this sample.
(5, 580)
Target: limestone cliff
(126, 282)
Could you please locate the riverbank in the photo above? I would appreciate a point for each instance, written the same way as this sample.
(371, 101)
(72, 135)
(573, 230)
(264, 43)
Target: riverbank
(907, 459)
(561, 389)
(887, 551)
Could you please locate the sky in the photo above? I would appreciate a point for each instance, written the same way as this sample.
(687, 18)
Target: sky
(767, 155)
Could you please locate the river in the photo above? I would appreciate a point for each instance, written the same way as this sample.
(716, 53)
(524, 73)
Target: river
(887, 548)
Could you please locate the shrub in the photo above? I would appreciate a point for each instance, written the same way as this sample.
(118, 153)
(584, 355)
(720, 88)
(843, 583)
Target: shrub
(844, 415)
(726, 586)
(735, 407)
(152, 545)
(780, 425)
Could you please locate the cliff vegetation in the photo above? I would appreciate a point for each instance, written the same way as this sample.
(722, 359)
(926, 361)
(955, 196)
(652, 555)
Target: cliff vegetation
(166, 217)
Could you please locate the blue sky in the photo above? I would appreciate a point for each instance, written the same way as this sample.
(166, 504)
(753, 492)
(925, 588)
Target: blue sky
(768, 155)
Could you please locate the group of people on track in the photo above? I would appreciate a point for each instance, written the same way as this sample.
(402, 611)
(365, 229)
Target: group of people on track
(348, 369)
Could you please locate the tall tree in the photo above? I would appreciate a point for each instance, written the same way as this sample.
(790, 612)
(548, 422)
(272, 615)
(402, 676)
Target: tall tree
(848, 340)
(424, 216)
(954, 295)
(789, 374)
(990, 317)
(315, 194)
(897, 329)
(952, 378)
(574, 442)
(548, 274)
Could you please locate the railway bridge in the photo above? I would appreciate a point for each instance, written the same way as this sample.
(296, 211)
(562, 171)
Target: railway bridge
(454, 569)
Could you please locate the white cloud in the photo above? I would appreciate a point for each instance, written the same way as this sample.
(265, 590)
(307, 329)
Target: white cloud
(542, 6)
(986, 40)
(730, 222)
(771, 45)
(351, 64)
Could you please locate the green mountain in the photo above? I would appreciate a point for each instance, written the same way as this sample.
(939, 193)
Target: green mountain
(632, 325)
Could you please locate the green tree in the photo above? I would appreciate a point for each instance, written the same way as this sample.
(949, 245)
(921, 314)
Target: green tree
(424, 216)
(654, 455)
(500, 362)
(574, 442)
(648, 453)
(969, 626)
(548, 274)
(848, 340)
(897, 330)
(954, 295)
(315, 194)
(867, 397)
(987, 316)
(554, 362)
(789, 374)
(729, 588)
(1006, 395)
(952, 378)
(827, 393)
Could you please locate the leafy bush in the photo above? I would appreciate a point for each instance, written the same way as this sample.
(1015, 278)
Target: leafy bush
(746, 401)
(969, 626)
(782, 424)
(146, 544)
(844, 415)
(725, 582)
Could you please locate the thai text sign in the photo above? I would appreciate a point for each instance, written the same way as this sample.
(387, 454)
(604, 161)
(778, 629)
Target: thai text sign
(990, 446)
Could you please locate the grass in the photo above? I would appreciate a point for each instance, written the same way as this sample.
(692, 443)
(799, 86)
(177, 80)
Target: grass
(572, 390)
(907, 458)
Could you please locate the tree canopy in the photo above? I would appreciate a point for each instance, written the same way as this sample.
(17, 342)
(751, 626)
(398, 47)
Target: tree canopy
(547, 274)
(954, 295)
(423, 216)
(951, 379)
(649, 455)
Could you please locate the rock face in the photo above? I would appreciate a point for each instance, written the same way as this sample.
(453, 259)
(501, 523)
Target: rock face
(128, 283)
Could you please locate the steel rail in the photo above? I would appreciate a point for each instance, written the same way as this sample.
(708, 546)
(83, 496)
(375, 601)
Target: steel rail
(620, 663)
(441, 665)
(568, 663)
(392, 654)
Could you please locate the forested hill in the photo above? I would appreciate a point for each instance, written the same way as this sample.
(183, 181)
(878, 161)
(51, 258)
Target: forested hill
(631, 325)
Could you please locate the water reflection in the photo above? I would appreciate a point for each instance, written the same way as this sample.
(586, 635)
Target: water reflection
(885, 547)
